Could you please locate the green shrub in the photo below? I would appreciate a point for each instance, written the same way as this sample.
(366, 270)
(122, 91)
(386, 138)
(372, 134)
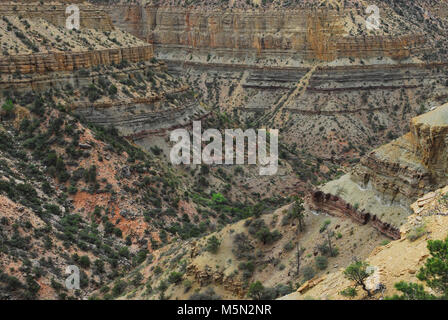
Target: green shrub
(288, 246)
(113, 90)
(213, 244)
(119, 288)
(175, 277)
(321, 262)
(84, 262)
(417, 232)
(349, 292)
(8, 107)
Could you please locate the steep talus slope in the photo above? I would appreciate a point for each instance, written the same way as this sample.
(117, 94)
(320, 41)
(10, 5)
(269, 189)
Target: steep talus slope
(79, 196)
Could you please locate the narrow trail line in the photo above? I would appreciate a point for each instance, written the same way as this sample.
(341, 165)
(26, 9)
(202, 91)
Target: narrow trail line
(238, 90)
(287, 98)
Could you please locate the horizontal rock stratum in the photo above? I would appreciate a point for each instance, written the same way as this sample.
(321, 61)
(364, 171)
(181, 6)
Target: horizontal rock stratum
(304, 34)
(68, 61)
(390, 178)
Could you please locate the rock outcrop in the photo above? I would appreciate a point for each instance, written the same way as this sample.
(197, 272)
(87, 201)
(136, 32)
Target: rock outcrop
(390, 178)
(429, 137)
(320, 201)
(305, 33)
(396, 261)
(70, 61)
(92, 17)
(207, 277)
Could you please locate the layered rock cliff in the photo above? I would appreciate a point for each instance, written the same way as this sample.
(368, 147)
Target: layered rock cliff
(72, 61)
(429, 136)
(324, 202)
(302, 34)
(129, 89)
(92, 17)
(390, 178)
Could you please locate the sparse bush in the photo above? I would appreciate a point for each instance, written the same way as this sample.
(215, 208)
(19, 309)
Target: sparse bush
(119, 288)
(349, 292)
(213, 244)
(84, 262)
(417, 232)
(175, 277)
(321, 262)
(209, 294)
(256, 290)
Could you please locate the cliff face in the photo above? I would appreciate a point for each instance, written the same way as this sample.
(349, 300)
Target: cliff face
(429, 134)
(336, 206)
(388, 179)
(70, 61)
(413, 164)
(305, 34)
(92, 17)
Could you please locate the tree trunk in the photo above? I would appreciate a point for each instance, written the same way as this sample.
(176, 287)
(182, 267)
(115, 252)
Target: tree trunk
(369, 294)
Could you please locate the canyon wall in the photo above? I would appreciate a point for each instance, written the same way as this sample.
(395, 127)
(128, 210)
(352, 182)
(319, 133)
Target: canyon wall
(91, 17)
(135, 115)
(69, 61)
(390, 178)
(429, 134)
(304, 34)
(139, 118)
(412, 165)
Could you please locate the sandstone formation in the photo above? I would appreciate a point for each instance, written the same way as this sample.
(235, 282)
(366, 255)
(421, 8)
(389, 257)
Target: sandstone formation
(338, 207)
(70, 61)
(389, 178)
(139, 118)
(429, 135)
(304, 33)
(91, 17)
(208, 277)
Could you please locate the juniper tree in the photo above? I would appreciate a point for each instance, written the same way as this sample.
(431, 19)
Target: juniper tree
(298, 212)
(358, 273)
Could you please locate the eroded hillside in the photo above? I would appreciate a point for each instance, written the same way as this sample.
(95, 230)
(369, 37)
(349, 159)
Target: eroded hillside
(396, 261)
(225, 264)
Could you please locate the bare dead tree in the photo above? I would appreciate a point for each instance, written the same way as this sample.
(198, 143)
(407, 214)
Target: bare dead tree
(299, 253)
